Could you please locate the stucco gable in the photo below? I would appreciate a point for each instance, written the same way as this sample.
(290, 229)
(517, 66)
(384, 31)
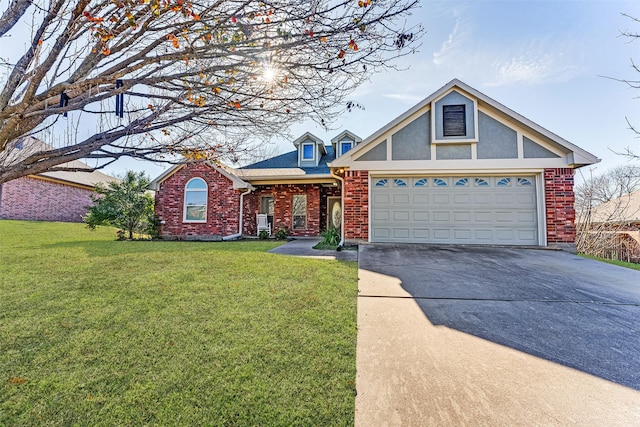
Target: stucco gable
(509, 127)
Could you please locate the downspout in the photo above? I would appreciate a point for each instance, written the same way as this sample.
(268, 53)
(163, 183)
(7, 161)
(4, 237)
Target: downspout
(239, 233)
(339, 178)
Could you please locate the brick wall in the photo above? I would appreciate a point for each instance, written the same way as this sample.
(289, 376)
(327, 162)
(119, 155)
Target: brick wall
(559, 209)
(282, 210)
(223, 204)
(41, 200)
(356, 205)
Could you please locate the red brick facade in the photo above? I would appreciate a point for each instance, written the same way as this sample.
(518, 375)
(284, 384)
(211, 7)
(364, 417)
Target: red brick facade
(356, 205)
(282, 209)
(43, 200)
(223, 205)
(559, 209)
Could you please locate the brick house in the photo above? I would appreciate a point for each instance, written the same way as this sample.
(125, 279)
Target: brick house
(458, 168)
(49, 196)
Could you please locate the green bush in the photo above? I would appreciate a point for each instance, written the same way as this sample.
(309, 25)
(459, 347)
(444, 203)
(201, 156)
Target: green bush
(282, 233)
(264, 234)
(331, 236)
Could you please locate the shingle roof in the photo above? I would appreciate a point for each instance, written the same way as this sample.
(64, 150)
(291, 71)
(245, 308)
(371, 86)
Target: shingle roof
(287, 164)
(625, 209)
(30, 145)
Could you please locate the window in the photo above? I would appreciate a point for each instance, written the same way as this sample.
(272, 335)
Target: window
(345, 146)
(299, 212)
(307, 151)
(195, 201)
(454, 120)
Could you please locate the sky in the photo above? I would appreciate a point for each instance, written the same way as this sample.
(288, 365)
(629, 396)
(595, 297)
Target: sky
(553, 62)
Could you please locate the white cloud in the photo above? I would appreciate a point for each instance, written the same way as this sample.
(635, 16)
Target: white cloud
(451, 43)
(533, 68)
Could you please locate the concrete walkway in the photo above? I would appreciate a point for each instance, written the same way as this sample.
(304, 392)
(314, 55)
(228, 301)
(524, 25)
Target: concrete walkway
(304, 247)
(413, 370)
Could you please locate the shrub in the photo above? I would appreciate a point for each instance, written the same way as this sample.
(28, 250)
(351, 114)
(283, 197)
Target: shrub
(331, 236)
(282, 233)
(264, 234)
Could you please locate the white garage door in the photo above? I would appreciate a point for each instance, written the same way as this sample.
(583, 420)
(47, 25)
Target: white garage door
(460, 210)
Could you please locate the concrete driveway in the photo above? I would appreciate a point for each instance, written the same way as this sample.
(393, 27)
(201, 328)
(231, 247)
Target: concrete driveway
(452, 335)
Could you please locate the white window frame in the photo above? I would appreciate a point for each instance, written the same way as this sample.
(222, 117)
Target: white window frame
(294, 215)
(187, 191)
(313, 152)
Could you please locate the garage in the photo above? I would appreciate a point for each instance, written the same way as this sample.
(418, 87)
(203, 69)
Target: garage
(454, 210)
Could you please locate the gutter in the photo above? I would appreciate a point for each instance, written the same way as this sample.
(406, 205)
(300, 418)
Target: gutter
(339, 178)
(239, 233)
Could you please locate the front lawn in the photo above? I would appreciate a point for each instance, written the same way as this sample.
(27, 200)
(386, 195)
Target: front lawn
(630, 265)
(99, 332)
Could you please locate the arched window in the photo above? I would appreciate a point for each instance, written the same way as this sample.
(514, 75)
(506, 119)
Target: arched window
(195, 200)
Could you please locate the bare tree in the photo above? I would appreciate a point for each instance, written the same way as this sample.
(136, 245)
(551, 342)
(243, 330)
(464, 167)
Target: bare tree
(157, 78)
(604, 206)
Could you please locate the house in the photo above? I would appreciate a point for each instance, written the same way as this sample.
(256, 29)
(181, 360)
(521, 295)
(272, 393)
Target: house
(49, 196)
(612, 229)
(456, 168)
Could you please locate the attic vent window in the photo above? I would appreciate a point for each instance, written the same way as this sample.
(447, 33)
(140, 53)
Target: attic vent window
(454, 120)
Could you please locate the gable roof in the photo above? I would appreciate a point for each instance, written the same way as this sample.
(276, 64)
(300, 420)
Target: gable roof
(237, 182)
(30, 145)
(624, 209)
(578, 156)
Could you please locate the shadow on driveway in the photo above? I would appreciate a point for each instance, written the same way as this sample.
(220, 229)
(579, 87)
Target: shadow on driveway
(576, 312)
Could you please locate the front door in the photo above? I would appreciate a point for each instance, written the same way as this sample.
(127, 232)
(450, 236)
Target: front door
(334, 212)
(266, 207)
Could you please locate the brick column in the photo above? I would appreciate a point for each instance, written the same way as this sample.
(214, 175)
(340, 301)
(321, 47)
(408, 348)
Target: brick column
(356, 205)
(559, 207)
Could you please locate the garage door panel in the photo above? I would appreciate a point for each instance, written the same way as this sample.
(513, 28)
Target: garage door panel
(380, 215)
(462, 199)
(421, 233)
(401, 233)
(482, 210)
(462, 216)
(483, 216)
(381, 233)
(441, 199)
(380, 199)
(462, 234)
(401, 216)
(442, 234)
(421, 199)
(441, 216)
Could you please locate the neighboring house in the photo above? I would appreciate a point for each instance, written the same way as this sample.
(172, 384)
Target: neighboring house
(616, 226)
(50, 196)
(456, 168)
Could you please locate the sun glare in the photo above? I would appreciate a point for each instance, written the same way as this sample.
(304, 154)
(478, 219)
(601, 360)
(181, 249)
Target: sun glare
(269, 73)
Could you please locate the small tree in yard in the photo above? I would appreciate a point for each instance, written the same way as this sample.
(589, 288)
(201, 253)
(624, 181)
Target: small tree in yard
(125, 204)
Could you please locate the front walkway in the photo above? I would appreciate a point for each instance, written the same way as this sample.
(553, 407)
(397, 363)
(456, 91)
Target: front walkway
(304, 247)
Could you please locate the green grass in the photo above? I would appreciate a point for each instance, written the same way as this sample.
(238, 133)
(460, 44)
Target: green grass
(99, 332)
(630, 265)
